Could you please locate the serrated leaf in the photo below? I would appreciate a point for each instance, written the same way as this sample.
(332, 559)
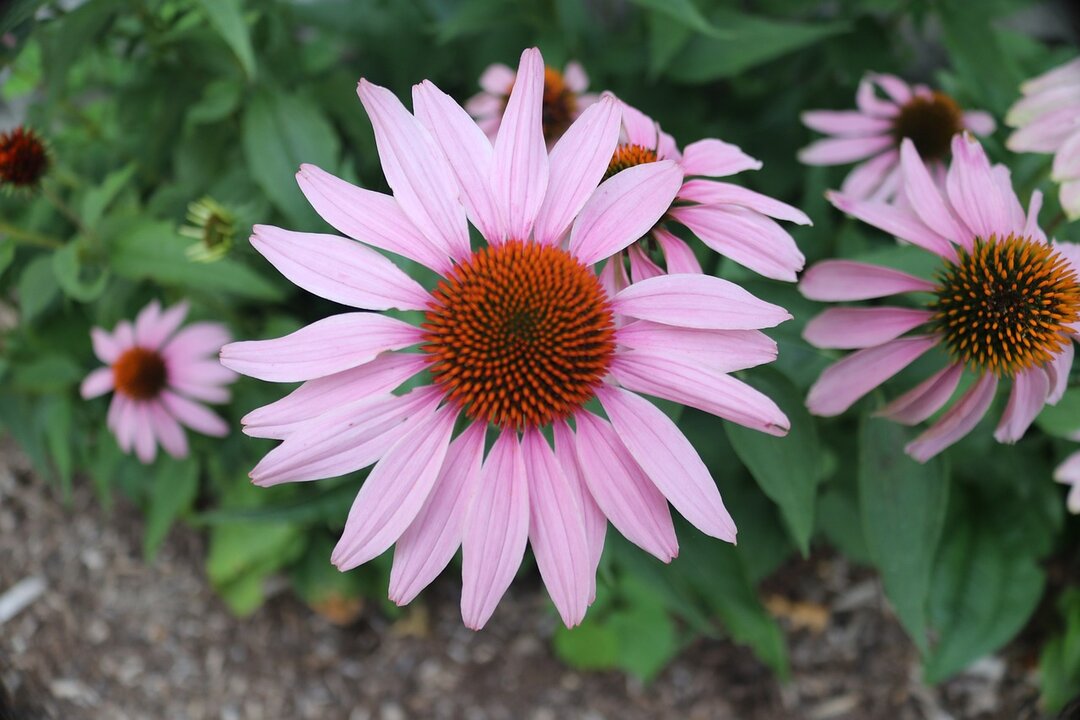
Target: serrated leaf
(227, 18)
(173, 490)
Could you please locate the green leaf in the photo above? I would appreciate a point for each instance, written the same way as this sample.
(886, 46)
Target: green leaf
(47, 374)
(172, 492)
(666, 38)
(1059, 665)
(243, 554)
(7, 253)
(902, 504)
(65, 40)
(788, 469)
(37, 287)
(98, 198)
(56, 416)
(1062, 420)
(219, 99)
(645, 632)
(17, 12)
(978, 55)
(226, 16)
(281, 131)
(150, 249)
(685, 12)
(69, 271)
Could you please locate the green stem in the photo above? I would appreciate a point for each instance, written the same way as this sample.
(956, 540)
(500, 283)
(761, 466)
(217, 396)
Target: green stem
(28, 237)
(64, 209)
(1058, 219)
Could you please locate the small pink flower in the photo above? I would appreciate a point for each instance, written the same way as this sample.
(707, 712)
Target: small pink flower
(516, 336)
(564, 98)
(157, 374)
(873, 133)
(1005, 304)
(729, 219)
(1068, 473)
(1047, 119)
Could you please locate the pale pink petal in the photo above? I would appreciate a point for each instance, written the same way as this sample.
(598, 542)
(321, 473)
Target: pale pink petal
(575, 78)
(145, 321)
(697, 301)
(196, 416)
(746, 237)
(669, 460)
(370, 217)
(124, 335)
(152, 334)
(867, 100)
(621, 489)
(1034, 106)
(980, 202)
(866, 178)
(116, 405)
(416, 171)
(1047, 132)
(925, 198)
(126, 422)
(105, 345)
(145, 445)
(956, 422)
(845, 123)
(431, 540)
(497, 79)
(595, 521)
(685, 380)
(199, 372)
(849, 328)
(1070, 199)
(844, 280)
(678, 256)
(1027, 398)
(578, 163)
(196, 340)
(640, 128)
(895, 220)
(1058, 371)
(924, 399)
(846, 381)
(613, 277)
(168, 430)
(1069, 473)
(897, 90)
(1067, 159)
(840, 151)
(711, 192)
(623, 209)
(641, 267)
(557, 530)
(340, 270)
(197, 391)
(97, 383)
(485, 106)
(723, 350)
(519, 169)
(890, 184)
(979, 122)
(1067, 74)
(496, 531)
(467, 150)
(716, 158)
(326, 346)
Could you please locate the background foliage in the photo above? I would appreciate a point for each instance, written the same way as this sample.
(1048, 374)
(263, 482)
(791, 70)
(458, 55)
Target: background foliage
(149, 105)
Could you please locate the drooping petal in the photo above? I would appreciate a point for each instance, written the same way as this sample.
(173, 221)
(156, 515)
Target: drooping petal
(325, 347)
(431, 540)
(623, 209)
(1028, 397)
(669, 460)
(925, 198)
(849, 328)
(973, 193)
(845, 123)
(595, 521)
(711, 192)
(678, 256)
(145, 445)
(716, 158)
(167, 430)
(395, 490)
(723, 350)
(1058, 372)
(621, 489)
(697, 301)
(746, 237)
(496, 531)
(195, 416)
(895, 220)
(840, 151)
(846, 381)
(641, 267)
(924, 399)
(957, 421)
(578, 163)
(338, 269)
(844, 280)
(97, 383)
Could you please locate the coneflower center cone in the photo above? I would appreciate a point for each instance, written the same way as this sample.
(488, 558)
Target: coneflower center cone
(627, 156)
(1006, 305)
(520, 334)
(23, 158)
(139, 373)
(930, 123)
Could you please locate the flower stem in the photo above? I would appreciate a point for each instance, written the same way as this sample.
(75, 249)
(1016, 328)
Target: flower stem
(64, 209)
(28, 237)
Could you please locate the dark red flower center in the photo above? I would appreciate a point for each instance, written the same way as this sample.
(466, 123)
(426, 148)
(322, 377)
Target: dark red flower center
(139, 373)
(930, 122)
(23, 159)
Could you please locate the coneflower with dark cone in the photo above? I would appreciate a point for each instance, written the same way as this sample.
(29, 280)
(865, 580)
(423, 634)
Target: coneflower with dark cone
(23, 158)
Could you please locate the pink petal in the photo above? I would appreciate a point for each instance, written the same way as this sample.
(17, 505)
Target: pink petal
(924, 399)
(979, 122)
(322, 395)
(520, 163)
(845, 123)
(322, 348)
(678, 256)
(429, 543)
(1032, 107)
(578, 163)
(340, 270)
(395, 490)
(205, 393)
(199, 372)
(958, 420)
(840, 151)
(485, 107)
(895, 220)
(868, 102)
(195, 340)
(124, 335)
(467, 150)
(344, 440)
(623, 209)
(370, 217)
(575, 78)
(1067, 160)
(621, 489)
(847, 380)
(641, 267)
(685, 380)
(145, 446)
(1058, 371)
(866, 178)
(1047, 132)
(640, 128)
(97, 383)
(154, 332)
(613, 277)
(715, 158)
(925, 198)
(1027, 399)
(595, 521)
(669, 460)
(1069, 195)
(146, 320)
(125, 421)
(898, 90)
(416, 171)
(849, 328)
(746, 237)
(106, 347)
(711, 192)
(195, 416)
(497, 79)
(977, 198)
(697, 301)
(557, 530)
(496, 531)
(844, 280)
(168, 431)
(723, 350)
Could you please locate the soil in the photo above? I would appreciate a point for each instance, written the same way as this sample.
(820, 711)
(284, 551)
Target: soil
(111, 637)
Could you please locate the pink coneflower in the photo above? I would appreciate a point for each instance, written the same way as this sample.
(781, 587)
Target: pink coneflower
(872, 134)
(564, 98)
(1003, 305)
(1068, 473)
(730, 219)
(157, 375)
(517, 336)
(1047, 119)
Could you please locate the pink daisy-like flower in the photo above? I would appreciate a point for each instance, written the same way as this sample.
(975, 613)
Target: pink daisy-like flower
(730, 219)
(1047, 119)
(1068, 473)
(1004, 304)
(517, 336)
(872, 134)
(564, 98)
(160, 376)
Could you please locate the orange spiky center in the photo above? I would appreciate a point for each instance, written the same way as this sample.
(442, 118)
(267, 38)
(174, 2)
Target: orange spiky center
(1006, 306)
(23, 158)
(560, 105)
(520, 334)
(930, 122)
(139, 373)
(628, 156)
